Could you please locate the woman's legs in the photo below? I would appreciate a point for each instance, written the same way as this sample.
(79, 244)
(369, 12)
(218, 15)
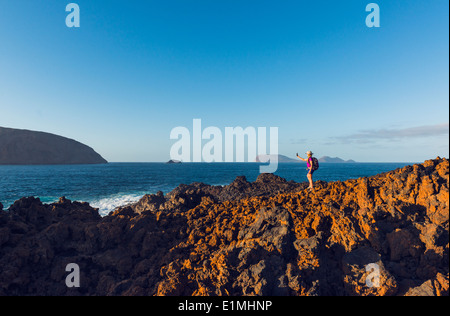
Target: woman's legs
(311, 183)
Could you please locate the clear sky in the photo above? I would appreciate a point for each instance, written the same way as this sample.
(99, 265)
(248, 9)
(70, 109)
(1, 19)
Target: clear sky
(135, 70)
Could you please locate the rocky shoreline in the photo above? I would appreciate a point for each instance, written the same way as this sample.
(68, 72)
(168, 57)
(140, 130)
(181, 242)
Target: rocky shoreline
(269, 237)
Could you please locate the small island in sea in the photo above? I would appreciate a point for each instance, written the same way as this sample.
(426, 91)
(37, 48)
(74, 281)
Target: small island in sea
(173, 161)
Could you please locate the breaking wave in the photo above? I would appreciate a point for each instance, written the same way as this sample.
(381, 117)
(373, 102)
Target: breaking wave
(109, 204)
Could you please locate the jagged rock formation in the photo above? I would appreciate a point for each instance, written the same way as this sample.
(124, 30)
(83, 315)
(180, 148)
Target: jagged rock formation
(270, 237)
(22, 147)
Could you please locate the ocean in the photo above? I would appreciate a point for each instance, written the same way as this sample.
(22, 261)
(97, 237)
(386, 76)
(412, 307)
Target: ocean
(116, 184)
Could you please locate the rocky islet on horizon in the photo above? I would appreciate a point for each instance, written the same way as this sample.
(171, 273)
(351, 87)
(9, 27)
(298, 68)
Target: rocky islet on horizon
(269, 237)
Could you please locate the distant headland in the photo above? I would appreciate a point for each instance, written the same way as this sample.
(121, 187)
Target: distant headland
(24, 147)
(284, 159)
(327, 159)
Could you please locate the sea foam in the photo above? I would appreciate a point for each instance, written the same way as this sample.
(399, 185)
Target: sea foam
(109, 204)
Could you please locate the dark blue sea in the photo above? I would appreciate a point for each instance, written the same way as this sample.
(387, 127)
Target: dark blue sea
(116, 184)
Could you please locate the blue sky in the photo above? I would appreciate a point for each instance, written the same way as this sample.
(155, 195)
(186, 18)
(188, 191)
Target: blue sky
(135, 70)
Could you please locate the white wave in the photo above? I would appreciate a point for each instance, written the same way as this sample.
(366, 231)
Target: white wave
(109, 204)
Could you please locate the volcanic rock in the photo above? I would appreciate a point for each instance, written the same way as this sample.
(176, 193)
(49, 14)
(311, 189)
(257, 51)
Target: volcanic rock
(382, 235)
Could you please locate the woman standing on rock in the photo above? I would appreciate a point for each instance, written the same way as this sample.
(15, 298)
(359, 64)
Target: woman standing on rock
(312, 164)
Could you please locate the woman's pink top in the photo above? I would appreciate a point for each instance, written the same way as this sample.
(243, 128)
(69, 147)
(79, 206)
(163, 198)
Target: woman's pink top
(309, 162)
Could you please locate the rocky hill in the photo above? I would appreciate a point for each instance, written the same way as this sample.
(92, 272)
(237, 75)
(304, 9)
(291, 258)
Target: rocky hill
(23, 147)
(270, 237)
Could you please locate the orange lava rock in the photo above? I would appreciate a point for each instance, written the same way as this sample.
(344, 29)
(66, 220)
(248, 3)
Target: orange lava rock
(382, 235)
